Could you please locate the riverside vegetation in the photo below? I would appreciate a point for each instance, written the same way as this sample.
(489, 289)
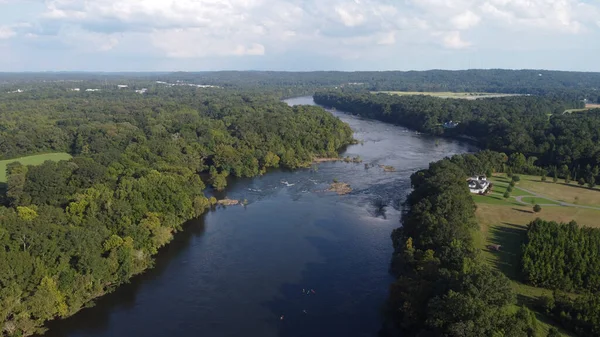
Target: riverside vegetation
(72, 230)
(445, 287)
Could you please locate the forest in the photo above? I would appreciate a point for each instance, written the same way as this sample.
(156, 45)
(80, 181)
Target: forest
(71, 231)
(534, 126)
(565, 84)
(443, 286)
(565, 257)
(581, 314)
(562, 256)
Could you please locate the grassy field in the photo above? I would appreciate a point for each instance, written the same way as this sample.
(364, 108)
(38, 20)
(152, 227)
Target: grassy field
(504, 222)
(540, 201)
(31, 160)
(447, 94)
(587, 107)
(571, 193)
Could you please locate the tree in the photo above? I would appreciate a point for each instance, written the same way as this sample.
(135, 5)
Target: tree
(506, 195)
(509, 188)
(516, 179)
(581, 181)
(591, 182)
(555, 177)
(543, 176)
(537, 208)
(568, 178)
(218, 180)
(553, 332)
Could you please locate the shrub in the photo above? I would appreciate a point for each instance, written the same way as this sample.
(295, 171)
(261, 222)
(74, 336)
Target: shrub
(537, 208)
(509, 188)
(506, 194)
(543, 176)
(581, 181)
(512, 183)
(516, 179)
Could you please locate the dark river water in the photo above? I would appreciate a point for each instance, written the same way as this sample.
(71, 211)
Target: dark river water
(238, 270)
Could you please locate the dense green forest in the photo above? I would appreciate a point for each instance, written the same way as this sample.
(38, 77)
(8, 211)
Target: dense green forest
(581, 315)
(71, 231)
(443, 287)
(572, 85)
(562, 256)
(535, 126)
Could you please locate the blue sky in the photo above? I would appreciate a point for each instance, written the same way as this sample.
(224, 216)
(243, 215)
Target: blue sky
(188, 35)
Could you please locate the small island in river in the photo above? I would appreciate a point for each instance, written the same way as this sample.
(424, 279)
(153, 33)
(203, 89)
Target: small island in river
(340, 188)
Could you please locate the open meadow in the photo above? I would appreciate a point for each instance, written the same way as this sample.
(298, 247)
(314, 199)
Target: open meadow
(31, 160)
(503, 222)
(587, 107)
(447, 94)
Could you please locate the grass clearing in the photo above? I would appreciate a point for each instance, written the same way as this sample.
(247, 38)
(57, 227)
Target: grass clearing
(32, 160)
(507, 226)
(587, 107)
(539, 201)
(447, 94)
(570, 193)
(504, 222)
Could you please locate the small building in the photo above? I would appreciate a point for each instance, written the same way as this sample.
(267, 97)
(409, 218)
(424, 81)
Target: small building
(478, 184)
(74, 89)
(122, 86)
(141, 91)
(450, 125)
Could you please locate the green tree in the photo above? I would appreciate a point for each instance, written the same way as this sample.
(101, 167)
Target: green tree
(537, 208)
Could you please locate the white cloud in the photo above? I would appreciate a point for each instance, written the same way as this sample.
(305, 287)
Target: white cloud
(350, 16)
(465, 20)
(453, 40)
(343, 28)
(6, 32)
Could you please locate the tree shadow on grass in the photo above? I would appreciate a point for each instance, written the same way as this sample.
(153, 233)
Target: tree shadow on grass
(523, 211)
(510, 237)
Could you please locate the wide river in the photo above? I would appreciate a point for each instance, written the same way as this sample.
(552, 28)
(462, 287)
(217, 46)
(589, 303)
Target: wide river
(317, 260)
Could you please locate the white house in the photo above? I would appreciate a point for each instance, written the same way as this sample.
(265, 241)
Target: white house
(478, 184)
(121, 86)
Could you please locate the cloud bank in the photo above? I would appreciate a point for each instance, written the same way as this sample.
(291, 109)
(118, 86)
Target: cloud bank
(243, 33)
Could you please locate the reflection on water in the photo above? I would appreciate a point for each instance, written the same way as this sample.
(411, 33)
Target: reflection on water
(240, 269)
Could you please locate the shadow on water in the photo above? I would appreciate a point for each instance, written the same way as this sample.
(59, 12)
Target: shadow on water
(95, 319)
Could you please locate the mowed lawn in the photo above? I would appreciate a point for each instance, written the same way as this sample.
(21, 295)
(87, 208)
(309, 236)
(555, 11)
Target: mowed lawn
(31, 160)
(500, 184)
(507, 226)
(572, 193)
(504, 222)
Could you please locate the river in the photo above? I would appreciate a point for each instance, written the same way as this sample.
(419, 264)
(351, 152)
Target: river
(239, 270)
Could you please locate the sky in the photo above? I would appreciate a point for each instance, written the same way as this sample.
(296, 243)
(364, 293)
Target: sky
(298, 35)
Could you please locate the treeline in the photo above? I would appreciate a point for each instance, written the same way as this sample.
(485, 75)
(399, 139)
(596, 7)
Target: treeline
(443, 287)
(510, 124)
(563, 84)
(562, 256)
(580, 315)
(73, 230)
